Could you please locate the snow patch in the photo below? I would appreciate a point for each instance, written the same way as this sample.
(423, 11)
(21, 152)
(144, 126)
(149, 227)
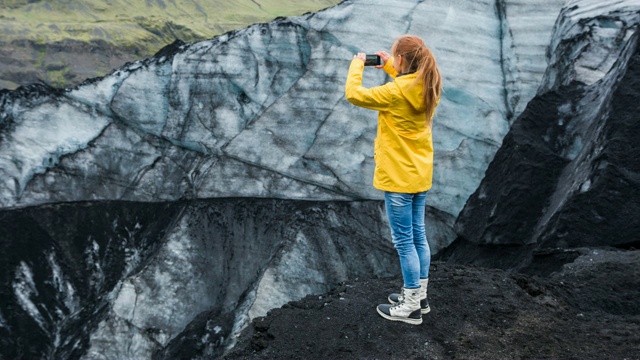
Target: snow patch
(63, 287)
(125, 304)
(3, 322)
(24, 288)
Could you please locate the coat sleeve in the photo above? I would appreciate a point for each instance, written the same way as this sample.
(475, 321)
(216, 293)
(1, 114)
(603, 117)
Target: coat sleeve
(389, 69)
(376, 98)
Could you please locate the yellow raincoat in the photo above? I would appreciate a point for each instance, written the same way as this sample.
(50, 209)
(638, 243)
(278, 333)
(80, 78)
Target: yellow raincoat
(403, 148)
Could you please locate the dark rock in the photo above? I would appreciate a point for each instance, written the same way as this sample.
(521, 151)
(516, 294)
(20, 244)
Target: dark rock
(60, 261)
(205, 337)
(477, 313)
(565, 177)
(90, 268)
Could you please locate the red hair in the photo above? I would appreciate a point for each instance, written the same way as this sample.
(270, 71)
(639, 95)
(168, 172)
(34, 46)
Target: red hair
(418, 58)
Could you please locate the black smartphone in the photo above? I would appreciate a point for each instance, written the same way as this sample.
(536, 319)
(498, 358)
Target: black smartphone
(373, 60)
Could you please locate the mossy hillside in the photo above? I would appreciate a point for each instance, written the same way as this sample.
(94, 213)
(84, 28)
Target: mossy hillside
(63, 42)
(127, 23)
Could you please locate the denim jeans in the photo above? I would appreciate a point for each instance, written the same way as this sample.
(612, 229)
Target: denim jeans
(406, 218)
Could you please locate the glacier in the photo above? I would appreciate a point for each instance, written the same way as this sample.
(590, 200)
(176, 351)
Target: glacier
(260, 112)
(217, 180)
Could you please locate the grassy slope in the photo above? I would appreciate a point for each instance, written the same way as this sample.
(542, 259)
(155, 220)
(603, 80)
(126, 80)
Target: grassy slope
(139, 27)
(125, 21)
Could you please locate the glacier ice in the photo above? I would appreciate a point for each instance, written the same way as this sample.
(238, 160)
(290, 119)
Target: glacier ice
(260, 112)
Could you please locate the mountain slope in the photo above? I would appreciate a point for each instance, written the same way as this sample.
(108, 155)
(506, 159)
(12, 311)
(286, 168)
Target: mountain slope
(65, 42)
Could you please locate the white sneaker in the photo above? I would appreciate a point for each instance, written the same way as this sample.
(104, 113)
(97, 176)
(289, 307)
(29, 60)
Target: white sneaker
(407, 310)
(424, 303)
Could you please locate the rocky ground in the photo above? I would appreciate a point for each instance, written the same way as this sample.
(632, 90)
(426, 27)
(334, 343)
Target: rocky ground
(588, 310)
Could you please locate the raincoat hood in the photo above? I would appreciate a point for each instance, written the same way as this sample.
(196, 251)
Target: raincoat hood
(412, 90)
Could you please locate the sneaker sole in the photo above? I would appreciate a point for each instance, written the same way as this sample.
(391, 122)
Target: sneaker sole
(404, 320)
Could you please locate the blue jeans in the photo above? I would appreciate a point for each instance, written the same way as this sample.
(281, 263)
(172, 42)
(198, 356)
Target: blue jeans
(406, 218)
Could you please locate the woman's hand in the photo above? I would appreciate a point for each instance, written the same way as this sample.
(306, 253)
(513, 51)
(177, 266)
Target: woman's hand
(384, 56)
(361, 56)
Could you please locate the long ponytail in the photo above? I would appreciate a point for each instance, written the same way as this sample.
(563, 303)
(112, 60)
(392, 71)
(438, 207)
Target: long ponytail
(421, 60)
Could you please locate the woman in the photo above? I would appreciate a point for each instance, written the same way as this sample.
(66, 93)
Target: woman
(403, 153)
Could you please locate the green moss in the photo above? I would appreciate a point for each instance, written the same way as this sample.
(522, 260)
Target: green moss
(127, 27)
(6, 84)
(93, 19)
(42, 52)
(57, 78)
